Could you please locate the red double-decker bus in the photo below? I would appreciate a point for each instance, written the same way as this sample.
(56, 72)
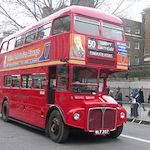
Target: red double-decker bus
(53, 74)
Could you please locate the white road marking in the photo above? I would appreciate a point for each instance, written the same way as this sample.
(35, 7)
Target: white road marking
(135, 138)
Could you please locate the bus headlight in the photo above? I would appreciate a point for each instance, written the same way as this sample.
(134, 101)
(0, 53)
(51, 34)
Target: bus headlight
(122, 115)
(76, 116)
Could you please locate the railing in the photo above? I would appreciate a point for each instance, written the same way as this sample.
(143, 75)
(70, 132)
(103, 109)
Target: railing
(143, 111)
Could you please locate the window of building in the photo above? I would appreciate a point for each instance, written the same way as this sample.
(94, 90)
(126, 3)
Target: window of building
(136, 60)
(129, 60)
(7, 81)
(30, 36)
(127, 29)
(87, 26)
(137, 45)
(11, 45)
(16, 81)
(4, 47)
(44, 32)
(61, 25)
(137, 31)
(26, 81)
(128, 44)
(19, 41)
(39, 81)
(112, 31)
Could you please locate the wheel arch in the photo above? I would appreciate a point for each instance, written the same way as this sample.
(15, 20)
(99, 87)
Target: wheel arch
(51, 109)
(4, 99)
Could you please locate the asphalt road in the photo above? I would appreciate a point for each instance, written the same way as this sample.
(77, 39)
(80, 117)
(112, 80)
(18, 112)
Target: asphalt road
(14, 136)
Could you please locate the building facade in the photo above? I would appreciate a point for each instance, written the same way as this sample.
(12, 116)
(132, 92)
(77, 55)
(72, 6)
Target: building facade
(135, 42)
(146, 34)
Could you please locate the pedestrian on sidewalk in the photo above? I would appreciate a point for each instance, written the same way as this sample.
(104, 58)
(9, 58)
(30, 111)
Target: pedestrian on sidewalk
(140, 98)
(118, 96)
(148, 99)
(134, 105)
(111, 93)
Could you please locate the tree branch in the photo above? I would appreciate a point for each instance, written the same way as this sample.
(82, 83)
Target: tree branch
(120, 3)
(5, 13)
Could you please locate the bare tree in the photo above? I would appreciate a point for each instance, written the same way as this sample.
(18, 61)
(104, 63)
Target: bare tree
(34, 10)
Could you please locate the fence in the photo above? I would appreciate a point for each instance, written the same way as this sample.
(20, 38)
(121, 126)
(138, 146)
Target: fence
(126, 92)
(143, 115)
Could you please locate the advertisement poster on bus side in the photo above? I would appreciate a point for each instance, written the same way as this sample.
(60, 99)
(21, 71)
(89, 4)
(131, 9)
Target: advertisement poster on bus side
(122, 58)
(27, 56)
(77, 47)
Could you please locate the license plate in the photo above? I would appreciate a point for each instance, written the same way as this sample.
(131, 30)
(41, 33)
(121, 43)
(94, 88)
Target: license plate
(101, 132)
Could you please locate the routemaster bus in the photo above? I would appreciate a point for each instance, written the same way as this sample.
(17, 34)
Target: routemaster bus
(53, 74)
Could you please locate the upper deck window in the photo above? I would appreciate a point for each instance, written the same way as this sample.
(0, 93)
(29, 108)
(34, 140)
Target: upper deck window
(61, 25)
(20, 41)
(11, 44)
(30, 36)
(87, 26)
(4, 47)
(44, 32)
(112, 31)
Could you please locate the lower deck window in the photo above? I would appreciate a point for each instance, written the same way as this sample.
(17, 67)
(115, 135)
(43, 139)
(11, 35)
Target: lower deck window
(39, 81)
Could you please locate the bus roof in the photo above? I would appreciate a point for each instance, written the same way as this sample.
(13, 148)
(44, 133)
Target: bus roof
(94, 13)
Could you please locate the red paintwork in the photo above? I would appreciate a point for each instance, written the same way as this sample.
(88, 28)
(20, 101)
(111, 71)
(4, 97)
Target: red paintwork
(28, 105)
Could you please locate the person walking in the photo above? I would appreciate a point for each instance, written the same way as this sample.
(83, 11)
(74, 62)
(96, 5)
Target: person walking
(134, 103)
(140, 98)
(111, 93)
(118, 96)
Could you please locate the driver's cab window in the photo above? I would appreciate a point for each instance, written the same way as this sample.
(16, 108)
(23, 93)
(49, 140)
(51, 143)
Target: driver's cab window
(85, 80)
(102, 82)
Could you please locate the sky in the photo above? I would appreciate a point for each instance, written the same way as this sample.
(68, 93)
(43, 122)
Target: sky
(133, 13)
(136, 10)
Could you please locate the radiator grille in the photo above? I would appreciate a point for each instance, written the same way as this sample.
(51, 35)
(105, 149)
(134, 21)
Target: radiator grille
(102, 118)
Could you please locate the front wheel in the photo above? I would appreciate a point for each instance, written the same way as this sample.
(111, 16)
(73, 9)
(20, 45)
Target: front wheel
(57, 130)
(117, 132)
(5, 111)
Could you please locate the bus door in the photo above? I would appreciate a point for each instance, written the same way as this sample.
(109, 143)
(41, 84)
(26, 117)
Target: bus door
(62, 93)
(52, 84)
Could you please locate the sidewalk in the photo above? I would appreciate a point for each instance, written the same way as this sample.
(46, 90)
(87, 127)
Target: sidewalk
(143, 115)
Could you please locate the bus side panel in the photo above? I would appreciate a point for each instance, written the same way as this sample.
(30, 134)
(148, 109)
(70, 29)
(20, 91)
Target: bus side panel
(60, 46)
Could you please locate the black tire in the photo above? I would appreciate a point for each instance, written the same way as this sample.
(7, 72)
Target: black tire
(5, 111)
(56, 128)
(117, 132)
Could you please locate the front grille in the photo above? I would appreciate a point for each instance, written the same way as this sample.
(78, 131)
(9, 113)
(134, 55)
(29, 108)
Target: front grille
(101, 118)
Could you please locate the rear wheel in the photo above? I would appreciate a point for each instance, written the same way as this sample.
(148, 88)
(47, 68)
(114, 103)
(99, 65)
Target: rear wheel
(117, 132)
(5, 111)
(57, 130)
